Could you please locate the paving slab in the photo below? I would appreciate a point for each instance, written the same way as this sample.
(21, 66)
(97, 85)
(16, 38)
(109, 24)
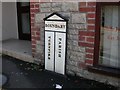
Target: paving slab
(20, 49)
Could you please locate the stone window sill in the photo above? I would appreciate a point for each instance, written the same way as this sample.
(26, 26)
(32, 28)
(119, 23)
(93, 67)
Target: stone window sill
(105, 71)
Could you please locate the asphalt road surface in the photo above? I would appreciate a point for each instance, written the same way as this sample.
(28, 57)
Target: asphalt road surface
(21, 74)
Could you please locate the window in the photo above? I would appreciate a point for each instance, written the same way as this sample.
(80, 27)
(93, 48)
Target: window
(107, 39)
(23, 9)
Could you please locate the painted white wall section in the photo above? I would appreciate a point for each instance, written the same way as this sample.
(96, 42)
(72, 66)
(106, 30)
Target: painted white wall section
(0, 21)
(61, 0)
(9, 21)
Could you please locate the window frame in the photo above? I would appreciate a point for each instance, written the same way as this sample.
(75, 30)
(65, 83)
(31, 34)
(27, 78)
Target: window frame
(21, 10)
(96, 66)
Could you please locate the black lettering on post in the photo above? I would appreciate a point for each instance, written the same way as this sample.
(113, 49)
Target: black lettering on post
(59, 47)
(46, 25)
(54, 26)
(49, 47)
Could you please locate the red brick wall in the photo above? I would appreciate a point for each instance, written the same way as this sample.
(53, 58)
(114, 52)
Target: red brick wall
(87, 37)
(35, 32)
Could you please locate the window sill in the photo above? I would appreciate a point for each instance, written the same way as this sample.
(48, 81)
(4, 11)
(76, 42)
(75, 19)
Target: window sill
(105, 71)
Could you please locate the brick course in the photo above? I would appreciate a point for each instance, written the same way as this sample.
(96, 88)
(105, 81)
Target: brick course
(86, 38)
(34, 8)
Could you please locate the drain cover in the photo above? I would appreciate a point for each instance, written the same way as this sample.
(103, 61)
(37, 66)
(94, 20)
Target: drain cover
(3, 80)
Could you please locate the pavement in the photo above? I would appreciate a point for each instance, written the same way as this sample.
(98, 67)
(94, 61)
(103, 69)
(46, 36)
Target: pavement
(20, 49)
(22, 74)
